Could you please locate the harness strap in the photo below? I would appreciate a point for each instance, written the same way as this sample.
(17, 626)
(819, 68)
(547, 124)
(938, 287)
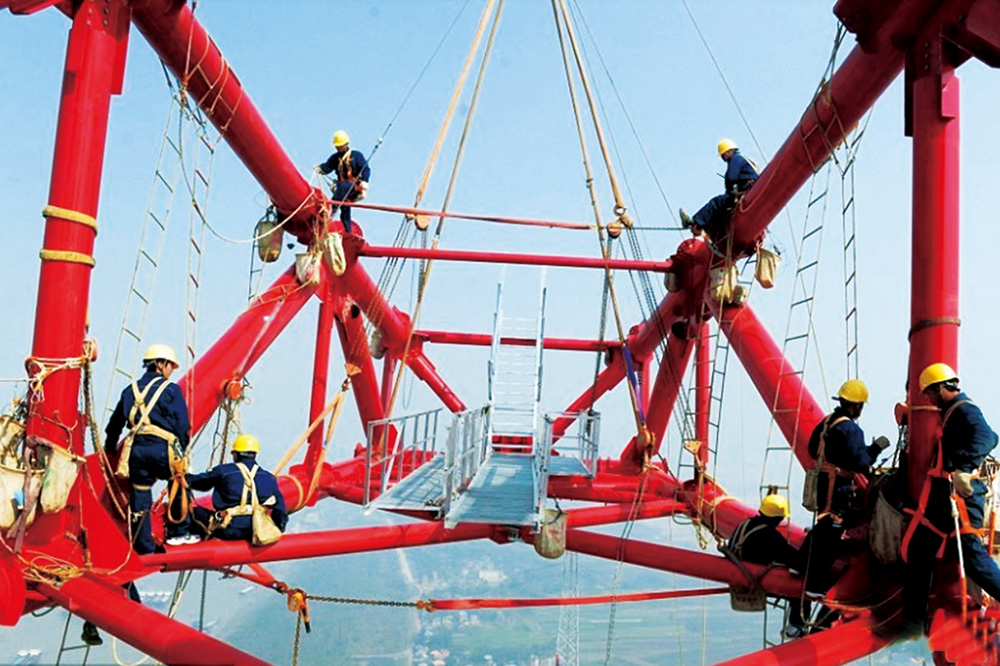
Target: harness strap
(963, 517)
(832, 471)
(344, 170)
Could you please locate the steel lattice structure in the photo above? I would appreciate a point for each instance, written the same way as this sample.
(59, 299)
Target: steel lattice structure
(928, 39)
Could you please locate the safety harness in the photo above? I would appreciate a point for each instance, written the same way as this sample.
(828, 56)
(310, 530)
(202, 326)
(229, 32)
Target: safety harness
(829, 469)
(223, 517)
(740, 536)
(344, 170)
(139, 423)
(919, 515)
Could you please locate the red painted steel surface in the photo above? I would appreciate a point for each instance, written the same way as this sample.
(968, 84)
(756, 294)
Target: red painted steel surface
(936, 264)
(143, 628)
(321, 369)
(511, 258)
(485, 340)
(64, 283)
(840, 645)
(702, 393)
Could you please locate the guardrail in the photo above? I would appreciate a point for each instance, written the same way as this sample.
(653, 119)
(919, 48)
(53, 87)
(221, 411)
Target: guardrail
(415, 437)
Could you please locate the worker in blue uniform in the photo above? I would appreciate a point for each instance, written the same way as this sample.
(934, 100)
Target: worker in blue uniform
(154, 411)
(758, 541)
(839, 441)
(351, 171)
(231, 484)
(741, 174)
(966, 440)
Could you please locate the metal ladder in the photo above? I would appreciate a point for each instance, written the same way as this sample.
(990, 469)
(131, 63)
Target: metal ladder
(515, 377)
(849, 219)
(717, 383)
(778, 458)
(147, 259)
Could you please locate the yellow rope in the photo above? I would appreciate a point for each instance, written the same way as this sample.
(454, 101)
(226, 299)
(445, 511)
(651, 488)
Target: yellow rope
(297, 444)
(70, 216)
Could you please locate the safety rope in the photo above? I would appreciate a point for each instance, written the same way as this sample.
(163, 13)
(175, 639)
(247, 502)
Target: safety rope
(447, 200)
(559, 9)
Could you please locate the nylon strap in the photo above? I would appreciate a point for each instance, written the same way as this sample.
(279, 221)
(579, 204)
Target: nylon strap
(67, 256)
(70, 216)
(831, 470)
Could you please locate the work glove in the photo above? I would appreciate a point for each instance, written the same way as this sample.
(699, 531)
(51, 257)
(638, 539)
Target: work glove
(882, 442)
(318, 169)
(362, 189)
(962, 482)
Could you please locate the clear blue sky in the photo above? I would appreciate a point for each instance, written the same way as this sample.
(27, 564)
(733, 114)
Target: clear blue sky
(313, 67)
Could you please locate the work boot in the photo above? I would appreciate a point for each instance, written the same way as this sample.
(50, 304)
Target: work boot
(90, 635)
(686, 220)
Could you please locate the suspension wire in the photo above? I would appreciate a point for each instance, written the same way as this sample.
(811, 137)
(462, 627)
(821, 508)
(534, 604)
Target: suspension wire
(641, 432)
(451, 184)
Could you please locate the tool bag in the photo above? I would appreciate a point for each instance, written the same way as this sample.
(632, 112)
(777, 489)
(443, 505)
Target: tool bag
(142, 426)
(269, 239)
(550, 542)
(885, 533)
(810, 489)
(265, 532)
(333, 253)
(61, 469)
(766, 271)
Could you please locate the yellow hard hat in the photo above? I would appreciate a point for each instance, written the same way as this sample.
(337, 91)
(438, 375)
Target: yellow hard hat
(725, 145)
(774, 506)
(246, 444)
(853, 390)
(159, 352)
(340, 138)
(935, 373)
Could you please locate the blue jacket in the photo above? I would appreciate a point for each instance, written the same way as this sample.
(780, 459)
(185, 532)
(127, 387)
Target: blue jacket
(355, 167)
(845, 448)
(226, 483)
(967, 439)
(740, 174)
(170, 413)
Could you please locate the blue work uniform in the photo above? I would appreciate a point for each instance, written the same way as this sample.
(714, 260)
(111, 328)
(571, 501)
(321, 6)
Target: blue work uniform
(149, 459)
(966, 440)
(845, 449)
(350, 168)
(713, 216)
(227, 483)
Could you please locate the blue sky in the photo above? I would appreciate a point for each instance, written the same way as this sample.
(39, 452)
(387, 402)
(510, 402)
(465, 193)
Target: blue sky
(313, 67)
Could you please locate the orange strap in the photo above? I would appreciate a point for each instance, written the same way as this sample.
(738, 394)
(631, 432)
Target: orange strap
(832, 471)
(963, 518)
(465, 604)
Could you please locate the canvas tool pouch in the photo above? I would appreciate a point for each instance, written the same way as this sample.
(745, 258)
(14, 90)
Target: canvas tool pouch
(333, 253)
(307, 268)
(766, 271)
(61, 469)
(886, 533)
(747, 599)
(269, 239)
(265, 532)
(551, 540)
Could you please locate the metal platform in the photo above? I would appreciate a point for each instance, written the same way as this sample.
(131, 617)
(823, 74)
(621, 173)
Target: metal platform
(567, 466)
(502, 493)
(422, 490)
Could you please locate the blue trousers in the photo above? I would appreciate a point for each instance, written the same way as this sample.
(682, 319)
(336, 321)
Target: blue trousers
(713, 216)
(345, 191)
(148, 463)
(979, 566)
(239, 529)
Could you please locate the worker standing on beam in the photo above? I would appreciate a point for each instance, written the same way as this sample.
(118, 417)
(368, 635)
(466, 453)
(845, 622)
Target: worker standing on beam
(156, 415)
(838, 445)
(954, 485)
(713, 217)
(352, 174)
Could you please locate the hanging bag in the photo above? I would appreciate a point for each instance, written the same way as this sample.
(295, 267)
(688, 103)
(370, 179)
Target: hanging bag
(61, 468)
(265, 532)
(810, 489)
(766, 271)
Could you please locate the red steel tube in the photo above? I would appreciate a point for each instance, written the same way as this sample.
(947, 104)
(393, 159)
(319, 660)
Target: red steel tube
(795, 410)
(485, 340)
(93, 70)
(186, 48)
(853, 89)
(776, 581)
(364, 385)
(841, 645)
(159, 636)
(242, 345)
(215, 554)
(702, 392)
(608, 378)
(321, 369)
(934, 306)
(511, 258)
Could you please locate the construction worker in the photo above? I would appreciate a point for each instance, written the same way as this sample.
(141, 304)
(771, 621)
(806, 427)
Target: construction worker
(352, 174)
(231, 484)
(757, 540)
(741, 174)
(838, 444)
(952, 484)
(154, 411)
